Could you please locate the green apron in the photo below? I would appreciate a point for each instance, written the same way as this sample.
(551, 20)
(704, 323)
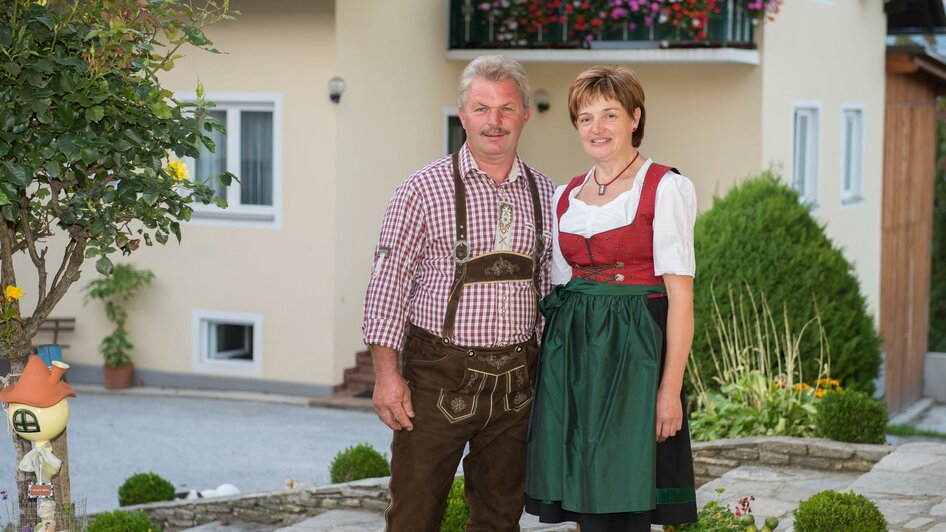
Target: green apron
(599, 369)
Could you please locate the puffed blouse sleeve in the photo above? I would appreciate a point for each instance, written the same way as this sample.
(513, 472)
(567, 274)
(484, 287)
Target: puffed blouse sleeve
(561, 272)
(674, 217)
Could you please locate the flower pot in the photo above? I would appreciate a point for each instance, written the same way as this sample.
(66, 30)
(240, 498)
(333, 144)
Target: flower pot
(120, 377)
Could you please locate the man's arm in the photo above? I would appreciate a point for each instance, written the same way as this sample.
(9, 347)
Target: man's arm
(387, 303)
(392, 397)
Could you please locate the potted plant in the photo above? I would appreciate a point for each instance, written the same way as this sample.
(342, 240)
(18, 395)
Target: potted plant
(114, 290)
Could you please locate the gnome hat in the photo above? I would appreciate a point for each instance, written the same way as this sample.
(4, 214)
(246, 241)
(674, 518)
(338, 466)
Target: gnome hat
(38, 385)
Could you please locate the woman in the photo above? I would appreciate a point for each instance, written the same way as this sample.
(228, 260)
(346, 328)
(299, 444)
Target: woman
(609, 446)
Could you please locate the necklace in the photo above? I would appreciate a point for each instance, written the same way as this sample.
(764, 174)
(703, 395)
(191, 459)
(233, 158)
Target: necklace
(603, 186)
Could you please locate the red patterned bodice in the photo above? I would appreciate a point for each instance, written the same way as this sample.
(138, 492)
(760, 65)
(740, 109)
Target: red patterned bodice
(623, 255)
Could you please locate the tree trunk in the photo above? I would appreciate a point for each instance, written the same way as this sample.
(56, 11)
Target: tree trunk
(27, 506)
(65, 512)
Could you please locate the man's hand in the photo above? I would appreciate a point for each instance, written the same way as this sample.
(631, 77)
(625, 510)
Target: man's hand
(669, 414)
(391, 397)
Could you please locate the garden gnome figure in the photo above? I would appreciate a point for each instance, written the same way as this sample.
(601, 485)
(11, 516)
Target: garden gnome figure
(37, 410)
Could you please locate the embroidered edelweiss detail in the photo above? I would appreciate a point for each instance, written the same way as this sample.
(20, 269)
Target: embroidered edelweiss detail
(519, 398)
(497, 361)
(458, 404)
(473, 378)
(500, 267)
(520, 379)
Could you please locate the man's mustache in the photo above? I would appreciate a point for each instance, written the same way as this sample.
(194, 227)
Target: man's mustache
(494, 131)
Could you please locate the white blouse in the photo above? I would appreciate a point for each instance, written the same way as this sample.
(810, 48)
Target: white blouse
(675, 214)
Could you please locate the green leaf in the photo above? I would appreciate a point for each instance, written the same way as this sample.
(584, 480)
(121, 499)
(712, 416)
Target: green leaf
(6, 36)
(104, 266)
(94, 114)
(161, 237)
(121, 145)
(195, 36)
(14, 173)
(4, 200)
(161, 110)
(68, 147)
(53, 168)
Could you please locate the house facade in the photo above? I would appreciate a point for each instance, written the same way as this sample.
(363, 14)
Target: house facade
(267, 295)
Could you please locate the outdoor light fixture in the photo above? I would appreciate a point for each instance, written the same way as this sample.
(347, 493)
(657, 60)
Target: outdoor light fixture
(336, 86)
(542, 100)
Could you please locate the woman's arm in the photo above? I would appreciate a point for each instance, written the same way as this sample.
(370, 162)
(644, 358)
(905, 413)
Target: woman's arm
(679, 338)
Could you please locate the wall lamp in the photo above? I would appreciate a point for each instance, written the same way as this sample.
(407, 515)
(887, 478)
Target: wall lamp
(542, 100)
(336, 86)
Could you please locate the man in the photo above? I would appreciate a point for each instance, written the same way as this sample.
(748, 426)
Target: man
(461, 263)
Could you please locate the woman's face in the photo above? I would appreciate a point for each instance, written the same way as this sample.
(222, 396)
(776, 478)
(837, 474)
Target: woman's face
(605, 129)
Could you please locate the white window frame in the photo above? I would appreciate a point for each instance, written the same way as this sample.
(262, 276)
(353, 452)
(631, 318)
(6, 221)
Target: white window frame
(268, 216)
(855, 194)
(201, 322)
(809, 193)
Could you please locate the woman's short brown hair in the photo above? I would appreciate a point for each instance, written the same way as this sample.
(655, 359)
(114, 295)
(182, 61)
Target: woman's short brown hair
(608, 83)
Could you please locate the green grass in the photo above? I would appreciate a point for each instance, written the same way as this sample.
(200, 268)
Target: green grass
(906, 430)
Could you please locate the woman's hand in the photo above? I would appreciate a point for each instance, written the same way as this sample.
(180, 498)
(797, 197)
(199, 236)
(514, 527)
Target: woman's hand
(669, 414)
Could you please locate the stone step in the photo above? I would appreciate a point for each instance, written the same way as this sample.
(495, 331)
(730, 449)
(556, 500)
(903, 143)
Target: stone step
(361, 521)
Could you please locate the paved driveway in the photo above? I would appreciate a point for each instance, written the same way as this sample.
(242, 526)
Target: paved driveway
(199, 443)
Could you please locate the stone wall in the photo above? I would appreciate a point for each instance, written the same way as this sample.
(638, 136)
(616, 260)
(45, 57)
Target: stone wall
(711, 460)
(281, 508)
(714, 458)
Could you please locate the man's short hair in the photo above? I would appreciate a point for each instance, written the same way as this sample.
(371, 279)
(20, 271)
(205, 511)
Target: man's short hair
(496, 69)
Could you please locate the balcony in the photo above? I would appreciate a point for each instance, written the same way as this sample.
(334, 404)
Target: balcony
(545, 31)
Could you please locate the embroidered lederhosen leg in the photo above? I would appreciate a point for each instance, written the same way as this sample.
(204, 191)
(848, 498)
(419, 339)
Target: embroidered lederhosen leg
(461, 395)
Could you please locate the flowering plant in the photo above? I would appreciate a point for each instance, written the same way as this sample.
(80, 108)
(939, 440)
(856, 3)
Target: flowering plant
(760, 10)
(8, 314)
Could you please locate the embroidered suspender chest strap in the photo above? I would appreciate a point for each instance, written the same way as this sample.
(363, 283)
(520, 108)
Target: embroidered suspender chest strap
(490, 267)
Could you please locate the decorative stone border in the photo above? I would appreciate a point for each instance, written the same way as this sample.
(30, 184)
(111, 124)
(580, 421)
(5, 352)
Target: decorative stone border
(284, 508)
(711, 460)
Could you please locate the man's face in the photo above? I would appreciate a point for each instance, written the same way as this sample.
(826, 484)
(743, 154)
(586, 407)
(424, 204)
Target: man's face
(493, 116)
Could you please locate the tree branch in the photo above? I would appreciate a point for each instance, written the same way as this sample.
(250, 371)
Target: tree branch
(74, 256)
(38, 260)
(7, 274)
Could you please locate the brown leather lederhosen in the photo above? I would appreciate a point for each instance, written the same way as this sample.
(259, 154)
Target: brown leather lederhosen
(462, 395)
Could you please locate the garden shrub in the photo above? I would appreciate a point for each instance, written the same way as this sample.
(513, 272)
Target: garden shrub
(840, 512)
(852, 417)
(145, 487)
(358, 462)
(122, 521)
(759, 234)
(458, 511)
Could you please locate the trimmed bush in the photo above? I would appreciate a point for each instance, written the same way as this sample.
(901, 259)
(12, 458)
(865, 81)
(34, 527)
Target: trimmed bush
(358, 462)
(145, 487)
(852, 417)
(760, 234)
(121, 521)
(458, 511)
(840, 512)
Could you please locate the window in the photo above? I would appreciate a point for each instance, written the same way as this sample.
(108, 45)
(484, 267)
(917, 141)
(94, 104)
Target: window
(251, 150)
(852, 154)
(454, 134)
(25, 421)
(805, 152)
(227, 342)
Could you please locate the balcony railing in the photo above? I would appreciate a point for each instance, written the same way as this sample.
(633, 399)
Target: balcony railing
(550, 24)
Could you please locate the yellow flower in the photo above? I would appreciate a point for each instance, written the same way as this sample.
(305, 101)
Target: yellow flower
(177, 170)
(12, 292)
(820, 393)
(801, 387)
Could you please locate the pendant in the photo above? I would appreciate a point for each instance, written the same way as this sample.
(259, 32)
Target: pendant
(601, 189)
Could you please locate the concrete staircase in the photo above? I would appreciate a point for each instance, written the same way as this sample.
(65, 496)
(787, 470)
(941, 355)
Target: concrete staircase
(359, 378)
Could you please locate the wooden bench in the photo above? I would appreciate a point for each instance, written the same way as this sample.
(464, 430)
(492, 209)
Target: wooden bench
(57, 325)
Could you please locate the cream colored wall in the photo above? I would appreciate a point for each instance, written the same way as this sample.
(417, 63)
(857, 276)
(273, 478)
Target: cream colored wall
(284, 274)
(833, 53)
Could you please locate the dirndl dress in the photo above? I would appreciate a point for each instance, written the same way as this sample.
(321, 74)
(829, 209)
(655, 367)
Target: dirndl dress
(592, 451)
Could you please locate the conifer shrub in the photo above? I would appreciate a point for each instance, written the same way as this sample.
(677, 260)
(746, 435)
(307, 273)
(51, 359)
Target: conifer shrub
(122, 521)
(937, 321)
(759, 235)
(852, 417)
(142, 488)
(458, 511)
(358, 462)
(840, 512)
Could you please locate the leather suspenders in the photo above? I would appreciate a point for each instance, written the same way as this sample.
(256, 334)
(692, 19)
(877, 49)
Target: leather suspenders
(490, 267)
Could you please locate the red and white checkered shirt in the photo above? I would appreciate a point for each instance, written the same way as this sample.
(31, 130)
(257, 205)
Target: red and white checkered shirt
(413, 261)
